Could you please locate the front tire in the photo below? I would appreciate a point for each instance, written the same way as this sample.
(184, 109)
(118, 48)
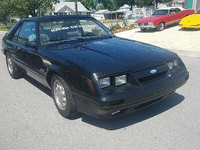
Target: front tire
(12, 68)
(161, 26)
(62, 96)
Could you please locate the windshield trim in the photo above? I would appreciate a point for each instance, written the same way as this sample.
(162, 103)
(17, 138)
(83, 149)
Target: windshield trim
(77, 25)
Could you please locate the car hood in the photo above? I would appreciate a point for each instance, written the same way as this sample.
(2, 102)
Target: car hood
(150, 19)
(115, 55)
(191, 19)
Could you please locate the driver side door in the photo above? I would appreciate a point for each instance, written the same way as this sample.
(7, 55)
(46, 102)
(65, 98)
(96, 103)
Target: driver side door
(28, 56)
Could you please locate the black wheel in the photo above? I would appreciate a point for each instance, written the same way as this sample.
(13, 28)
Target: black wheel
(161, 26)
(12, 68)
(62, 97)
(143, 29)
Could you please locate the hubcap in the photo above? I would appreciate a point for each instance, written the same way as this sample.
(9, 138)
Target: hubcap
(10, 65)
(60, 95)
(162, 26)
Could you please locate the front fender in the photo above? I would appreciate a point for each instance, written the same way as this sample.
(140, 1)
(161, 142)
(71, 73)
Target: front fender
(76, 81)
(4, 46)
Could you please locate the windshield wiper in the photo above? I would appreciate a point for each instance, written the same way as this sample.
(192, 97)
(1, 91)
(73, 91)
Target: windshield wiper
(89, 34)
(79, 38)
(56, 39)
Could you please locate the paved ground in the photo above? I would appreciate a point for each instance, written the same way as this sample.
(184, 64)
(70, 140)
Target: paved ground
(184, 42)
(29, 120)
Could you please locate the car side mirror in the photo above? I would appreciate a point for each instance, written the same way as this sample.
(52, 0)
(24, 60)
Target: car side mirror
(31, 44)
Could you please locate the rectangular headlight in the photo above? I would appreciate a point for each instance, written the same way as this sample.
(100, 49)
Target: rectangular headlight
(105, 82)
(119, 80)
(151, 24)
(170, 65)
(176, 63)
(173, 64)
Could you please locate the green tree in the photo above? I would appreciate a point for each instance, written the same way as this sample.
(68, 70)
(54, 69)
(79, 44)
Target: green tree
(89, 4)
(99, 7)
(109, 4)
(141, 3)
(5, 10)
(116, 4)
(149, 2)
(128, 2)
(24, 8)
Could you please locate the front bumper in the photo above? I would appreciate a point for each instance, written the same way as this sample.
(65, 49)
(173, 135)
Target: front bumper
(136, 100)
(141, 25)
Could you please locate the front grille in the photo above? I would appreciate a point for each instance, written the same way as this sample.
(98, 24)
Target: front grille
(152, 78)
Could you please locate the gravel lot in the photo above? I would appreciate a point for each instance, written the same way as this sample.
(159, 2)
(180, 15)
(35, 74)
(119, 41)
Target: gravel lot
(29, 120)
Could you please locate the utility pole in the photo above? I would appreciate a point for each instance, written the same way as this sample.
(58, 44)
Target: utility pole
(154, 3)
(76, 7)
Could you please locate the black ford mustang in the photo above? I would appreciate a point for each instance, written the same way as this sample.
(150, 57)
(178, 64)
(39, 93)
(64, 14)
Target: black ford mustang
(88, 69)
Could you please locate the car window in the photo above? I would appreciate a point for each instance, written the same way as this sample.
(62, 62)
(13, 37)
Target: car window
(160, 12)
(27, 32)
(16, 35)
(198, 12)
(177, 10)
(172, 11)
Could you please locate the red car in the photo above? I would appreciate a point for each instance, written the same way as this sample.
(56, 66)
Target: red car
(163, 17)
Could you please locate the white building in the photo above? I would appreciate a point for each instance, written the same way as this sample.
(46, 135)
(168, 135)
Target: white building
(68, 8)
(99, 15)
(123, 13)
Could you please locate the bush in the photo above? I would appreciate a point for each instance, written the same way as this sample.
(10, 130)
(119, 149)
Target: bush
(123, 27)
(114, 27)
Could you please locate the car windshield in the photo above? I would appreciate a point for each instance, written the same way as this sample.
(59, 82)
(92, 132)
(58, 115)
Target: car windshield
(160, 12)
(68, 29)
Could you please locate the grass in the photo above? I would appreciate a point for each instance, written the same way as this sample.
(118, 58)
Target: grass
(7, 27)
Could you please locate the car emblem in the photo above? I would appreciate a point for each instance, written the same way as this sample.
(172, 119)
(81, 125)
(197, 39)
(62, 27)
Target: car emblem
(153, 71)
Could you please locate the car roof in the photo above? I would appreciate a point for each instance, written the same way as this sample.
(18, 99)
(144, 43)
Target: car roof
(54, 17)
(168, 8)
